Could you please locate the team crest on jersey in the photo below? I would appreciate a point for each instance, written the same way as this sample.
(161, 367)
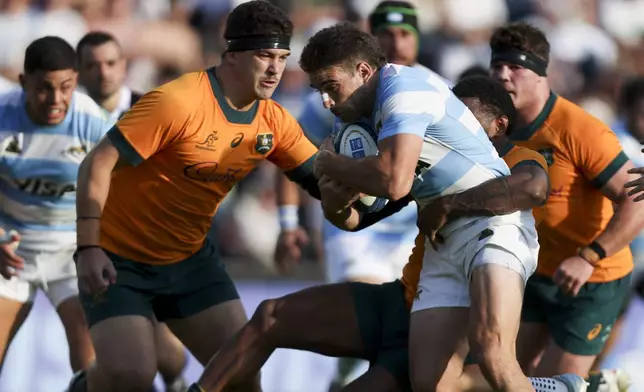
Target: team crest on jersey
(548, 155)
(264, 143)
(76, 152)
(12, 146)
(209, 142)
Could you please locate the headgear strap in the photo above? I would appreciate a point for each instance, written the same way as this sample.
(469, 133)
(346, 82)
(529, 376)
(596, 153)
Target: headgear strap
(256, 42)
(518, 57)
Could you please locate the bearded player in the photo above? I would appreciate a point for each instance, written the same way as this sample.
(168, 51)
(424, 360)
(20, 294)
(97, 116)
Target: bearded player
(348, 319)
(377, 254)
(371, 321)
(148, 192)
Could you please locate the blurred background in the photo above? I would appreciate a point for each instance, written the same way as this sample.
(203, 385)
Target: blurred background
(595, 46)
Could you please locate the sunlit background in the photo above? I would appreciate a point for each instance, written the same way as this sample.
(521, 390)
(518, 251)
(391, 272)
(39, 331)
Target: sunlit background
(596, 44)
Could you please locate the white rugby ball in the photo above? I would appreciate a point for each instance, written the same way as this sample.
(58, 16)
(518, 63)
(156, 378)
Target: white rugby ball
(359, 140)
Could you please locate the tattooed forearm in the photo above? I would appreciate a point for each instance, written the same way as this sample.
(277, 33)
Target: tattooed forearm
(522, 190)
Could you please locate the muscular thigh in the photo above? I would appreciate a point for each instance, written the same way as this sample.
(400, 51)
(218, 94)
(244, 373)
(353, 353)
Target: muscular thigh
(338, 320)
(497, 294)
(125, 345)
(437, 347)
(203, 333)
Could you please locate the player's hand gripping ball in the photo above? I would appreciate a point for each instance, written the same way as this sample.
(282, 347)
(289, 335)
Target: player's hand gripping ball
(359, 140)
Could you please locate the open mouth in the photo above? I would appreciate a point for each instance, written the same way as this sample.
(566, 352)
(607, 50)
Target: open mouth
(55, 114)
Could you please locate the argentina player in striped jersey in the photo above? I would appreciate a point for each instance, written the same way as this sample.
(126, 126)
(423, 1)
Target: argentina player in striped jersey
(375, 255)
(46, 129)
(431, 145)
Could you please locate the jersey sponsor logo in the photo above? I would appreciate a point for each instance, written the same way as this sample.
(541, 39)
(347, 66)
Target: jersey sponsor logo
(548, 155)
(44, 188)
(209, 143)
(264, 143)
(237, 140)
(593, 333)
(209, 172)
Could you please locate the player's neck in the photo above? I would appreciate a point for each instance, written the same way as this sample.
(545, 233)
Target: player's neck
(110, 102)
(237, 98)
(500, 142)
(527, 114)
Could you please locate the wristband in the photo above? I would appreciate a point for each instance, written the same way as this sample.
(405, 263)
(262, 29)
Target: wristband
(82, 248)
(597, 248)
(288, 215)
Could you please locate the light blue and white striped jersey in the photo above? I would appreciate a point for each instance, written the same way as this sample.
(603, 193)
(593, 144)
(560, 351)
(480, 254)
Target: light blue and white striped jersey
(318, 123)
(457, 154)
(39, 169)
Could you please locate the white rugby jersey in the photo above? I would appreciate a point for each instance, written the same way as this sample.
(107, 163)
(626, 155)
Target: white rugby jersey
(39, 169)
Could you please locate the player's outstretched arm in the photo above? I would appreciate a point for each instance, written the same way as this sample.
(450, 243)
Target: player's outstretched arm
(525, 188)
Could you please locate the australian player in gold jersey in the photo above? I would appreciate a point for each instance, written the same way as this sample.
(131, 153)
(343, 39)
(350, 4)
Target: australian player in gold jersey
(148, 192)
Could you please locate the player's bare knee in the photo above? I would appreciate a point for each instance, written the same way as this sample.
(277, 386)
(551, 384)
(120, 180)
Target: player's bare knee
(264, 319)
(487, 349)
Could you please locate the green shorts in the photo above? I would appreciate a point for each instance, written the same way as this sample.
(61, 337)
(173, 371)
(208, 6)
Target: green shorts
(383, 319)
(171, 291)
(579, 325)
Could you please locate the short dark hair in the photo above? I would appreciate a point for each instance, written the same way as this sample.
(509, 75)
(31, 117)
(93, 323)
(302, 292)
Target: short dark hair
(49, 54)
(255, 18)
(521, 36)
(339, 45)
(94, 39)
(632, 91)
(492, 96)
(474, 70)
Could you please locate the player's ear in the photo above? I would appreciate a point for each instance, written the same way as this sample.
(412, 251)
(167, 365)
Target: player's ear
(230, 57)
(364, 70)
(501, 124)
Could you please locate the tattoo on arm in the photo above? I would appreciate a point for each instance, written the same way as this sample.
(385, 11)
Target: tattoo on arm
(524, 189)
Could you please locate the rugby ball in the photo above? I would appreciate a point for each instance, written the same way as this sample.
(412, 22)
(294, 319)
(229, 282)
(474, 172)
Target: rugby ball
(359, 140)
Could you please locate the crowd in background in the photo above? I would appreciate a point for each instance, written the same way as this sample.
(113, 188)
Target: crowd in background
(595, 46)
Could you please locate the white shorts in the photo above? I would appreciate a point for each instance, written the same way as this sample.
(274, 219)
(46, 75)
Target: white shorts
(52, 272)
(446, 273)
(351, 256)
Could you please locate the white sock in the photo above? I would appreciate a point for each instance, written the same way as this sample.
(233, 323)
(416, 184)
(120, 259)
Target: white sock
(542, 384)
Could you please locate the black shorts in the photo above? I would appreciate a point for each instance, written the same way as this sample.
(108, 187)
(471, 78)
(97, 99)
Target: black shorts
(383, 319)
(171, 291)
